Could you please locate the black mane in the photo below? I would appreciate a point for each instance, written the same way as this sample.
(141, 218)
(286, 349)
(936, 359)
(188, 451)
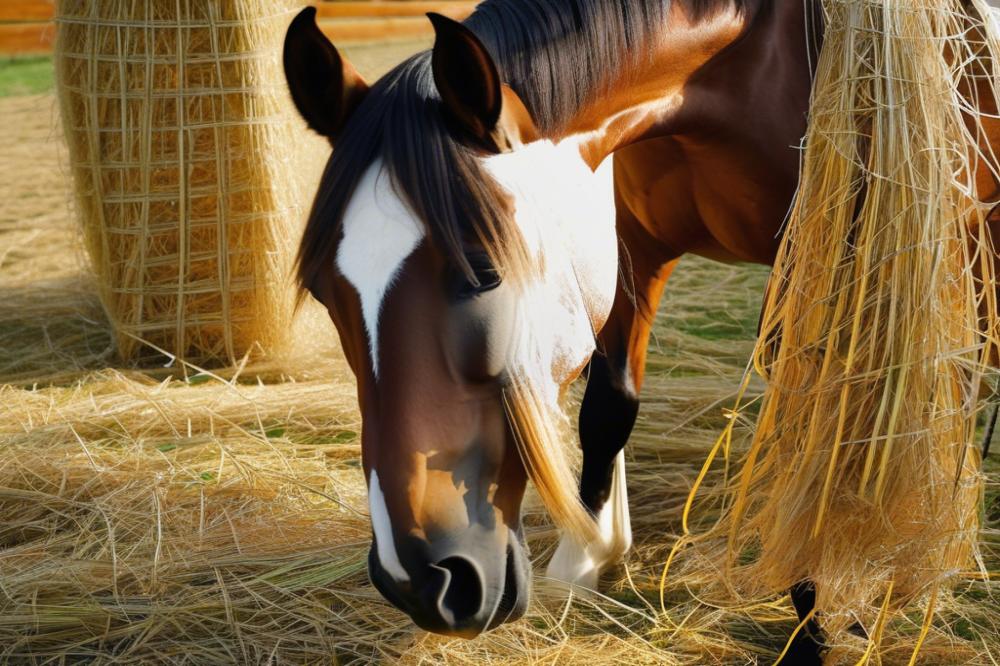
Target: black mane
(556, 54)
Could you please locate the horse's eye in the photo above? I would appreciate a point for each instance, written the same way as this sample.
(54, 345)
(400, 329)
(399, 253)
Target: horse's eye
(486, 274)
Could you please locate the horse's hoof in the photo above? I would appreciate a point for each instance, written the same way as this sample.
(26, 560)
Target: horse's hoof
(572, 564)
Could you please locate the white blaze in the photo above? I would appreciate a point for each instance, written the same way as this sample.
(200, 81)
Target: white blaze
(380, 232)
(386, 546)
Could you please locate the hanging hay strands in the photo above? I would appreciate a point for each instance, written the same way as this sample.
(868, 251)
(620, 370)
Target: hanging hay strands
(880, 320)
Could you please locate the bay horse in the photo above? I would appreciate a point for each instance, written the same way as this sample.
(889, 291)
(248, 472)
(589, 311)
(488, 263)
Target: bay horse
(463, 240)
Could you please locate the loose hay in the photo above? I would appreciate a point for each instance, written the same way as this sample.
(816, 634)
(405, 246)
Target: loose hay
(188, 162)
(863, 474)
(271, 577)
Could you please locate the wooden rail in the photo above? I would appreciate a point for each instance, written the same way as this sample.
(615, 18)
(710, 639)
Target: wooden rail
(26, 38)
(26, 26)
(376, 8)
(27, 10)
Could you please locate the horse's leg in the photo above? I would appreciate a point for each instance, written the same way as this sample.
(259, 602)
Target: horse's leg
(610, 405)
(807, 647)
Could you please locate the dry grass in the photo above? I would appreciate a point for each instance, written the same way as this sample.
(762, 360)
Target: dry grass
(148, 516)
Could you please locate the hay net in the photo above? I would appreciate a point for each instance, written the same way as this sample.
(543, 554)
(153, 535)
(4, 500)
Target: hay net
(187, 159)
(879, 321)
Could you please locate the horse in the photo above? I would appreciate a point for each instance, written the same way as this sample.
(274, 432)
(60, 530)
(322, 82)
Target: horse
(501, 214)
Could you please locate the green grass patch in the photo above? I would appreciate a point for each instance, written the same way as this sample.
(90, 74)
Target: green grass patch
(713, 301)
(26, 75)
(713, 325)
(199, 378)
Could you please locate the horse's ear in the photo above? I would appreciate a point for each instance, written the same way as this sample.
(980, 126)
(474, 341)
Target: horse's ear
(473, 95)
(325, 87)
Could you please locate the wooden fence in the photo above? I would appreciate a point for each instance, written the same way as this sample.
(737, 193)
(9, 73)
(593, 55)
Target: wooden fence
(26, 26)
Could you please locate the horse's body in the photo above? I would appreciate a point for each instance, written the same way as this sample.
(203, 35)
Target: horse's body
(705, 125)
(716, 180)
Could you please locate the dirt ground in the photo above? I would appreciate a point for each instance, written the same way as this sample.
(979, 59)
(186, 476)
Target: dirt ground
(156, 515)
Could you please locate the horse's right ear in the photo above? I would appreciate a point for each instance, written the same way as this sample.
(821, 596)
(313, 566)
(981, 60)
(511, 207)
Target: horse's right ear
(325, 87)
(471, 91)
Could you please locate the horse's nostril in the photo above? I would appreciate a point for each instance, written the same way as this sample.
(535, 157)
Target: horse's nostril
(463, 597)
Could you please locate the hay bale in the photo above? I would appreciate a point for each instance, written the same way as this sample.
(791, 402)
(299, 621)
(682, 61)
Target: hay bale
(184, 151)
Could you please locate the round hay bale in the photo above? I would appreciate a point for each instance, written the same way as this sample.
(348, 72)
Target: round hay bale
(186, 156)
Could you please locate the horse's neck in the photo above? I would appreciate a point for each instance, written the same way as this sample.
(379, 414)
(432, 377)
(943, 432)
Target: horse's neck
(646, 97)
(718, 176)
(689, 83)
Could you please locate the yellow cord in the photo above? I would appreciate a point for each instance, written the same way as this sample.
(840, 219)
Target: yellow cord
(876, 636)
(928, 618)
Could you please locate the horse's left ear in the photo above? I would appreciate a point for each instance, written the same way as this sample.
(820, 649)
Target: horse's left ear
(325, 87)
(473, 95)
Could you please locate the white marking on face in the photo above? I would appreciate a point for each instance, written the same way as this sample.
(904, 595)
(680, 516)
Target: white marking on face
(380, 232)
(385, 546)
(582, 564)
(566, 214)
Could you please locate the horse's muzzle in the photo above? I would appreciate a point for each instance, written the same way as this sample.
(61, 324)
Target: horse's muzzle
(462, 593)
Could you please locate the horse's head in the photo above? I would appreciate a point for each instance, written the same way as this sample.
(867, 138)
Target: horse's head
(466, 264)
